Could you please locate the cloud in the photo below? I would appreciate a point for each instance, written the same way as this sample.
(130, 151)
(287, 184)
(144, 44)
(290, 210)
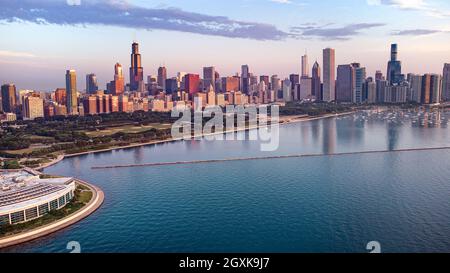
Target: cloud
(123, 14)
(415, 32)
(282, 1)
(5, 53)
(327, 32)
(415, 5)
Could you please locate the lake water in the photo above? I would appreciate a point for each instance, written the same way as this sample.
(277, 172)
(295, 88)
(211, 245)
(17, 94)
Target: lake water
(314, 204)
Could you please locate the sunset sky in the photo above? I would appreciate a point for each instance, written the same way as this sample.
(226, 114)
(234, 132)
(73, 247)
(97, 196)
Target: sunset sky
(40, 39)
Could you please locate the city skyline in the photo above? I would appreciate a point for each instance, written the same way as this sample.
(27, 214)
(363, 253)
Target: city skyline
(422, 46)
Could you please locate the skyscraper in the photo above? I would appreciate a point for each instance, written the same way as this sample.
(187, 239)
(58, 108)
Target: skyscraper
(8, 98)
(426, 89)
(345, 83)
(329, 75)
(370, 91)
(119, 81)
(431, 89)
(360, 78)
(379, 75)
(305, 88)
(316, 83)
(162, 77)
(416, 87)
(91, 83)
(192, 83)
(61, 96)
(394, 70)
(171, 86)
(275, 83)
(446, 82)
(245, 78)
(136, 70)
(33, 107)
(209, 77)
(287, 90)
(295, 79)
(71, 92)
(230, 84)
(305, 66)
(265, 79)
(435, 88)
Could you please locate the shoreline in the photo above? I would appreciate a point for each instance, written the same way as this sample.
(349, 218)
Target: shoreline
(94, 204)
(293, 119)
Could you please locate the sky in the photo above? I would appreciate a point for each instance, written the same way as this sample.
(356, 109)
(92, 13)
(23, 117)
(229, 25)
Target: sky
(41, 39)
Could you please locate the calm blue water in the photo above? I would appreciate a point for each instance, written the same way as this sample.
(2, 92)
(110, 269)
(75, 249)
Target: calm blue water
(320, 204)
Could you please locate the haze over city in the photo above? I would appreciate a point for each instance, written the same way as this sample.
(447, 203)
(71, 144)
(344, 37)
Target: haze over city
(268, 35)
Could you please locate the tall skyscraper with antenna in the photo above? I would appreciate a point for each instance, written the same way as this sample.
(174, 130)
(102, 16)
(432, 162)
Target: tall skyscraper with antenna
(136, 69)
(394, 70)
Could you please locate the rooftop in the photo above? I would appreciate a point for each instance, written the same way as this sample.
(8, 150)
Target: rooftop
(19, 188)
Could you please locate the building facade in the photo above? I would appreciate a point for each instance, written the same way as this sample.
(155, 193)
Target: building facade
(329, 75)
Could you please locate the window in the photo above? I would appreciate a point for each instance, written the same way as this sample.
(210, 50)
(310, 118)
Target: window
(54, 204)
(31, 213)
(68, 197)
(17, 217)
(4, 219)
(62, 201)
(43, 209)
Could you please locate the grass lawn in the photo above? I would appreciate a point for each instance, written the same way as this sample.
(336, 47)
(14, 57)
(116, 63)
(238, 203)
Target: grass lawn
(130, 129)
(84, 196)
(35, 137)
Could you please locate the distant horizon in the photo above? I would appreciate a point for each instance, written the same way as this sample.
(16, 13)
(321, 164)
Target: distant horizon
(192, 34)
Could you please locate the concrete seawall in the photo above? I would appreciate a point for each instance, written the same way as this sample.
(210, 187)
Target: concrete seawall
(95, 203)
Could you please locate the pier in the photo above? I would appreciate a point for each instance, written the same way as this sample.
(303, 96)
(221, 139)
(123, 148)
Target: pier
(208, 161)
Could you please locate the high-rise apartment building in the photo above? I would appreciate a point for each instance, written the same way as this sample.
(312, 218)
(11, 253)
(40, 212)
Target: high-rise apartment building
(33, 107)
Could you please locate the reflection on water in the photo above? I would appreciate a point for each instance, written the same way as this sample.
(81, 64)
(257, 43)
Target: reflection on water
(314, 204)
